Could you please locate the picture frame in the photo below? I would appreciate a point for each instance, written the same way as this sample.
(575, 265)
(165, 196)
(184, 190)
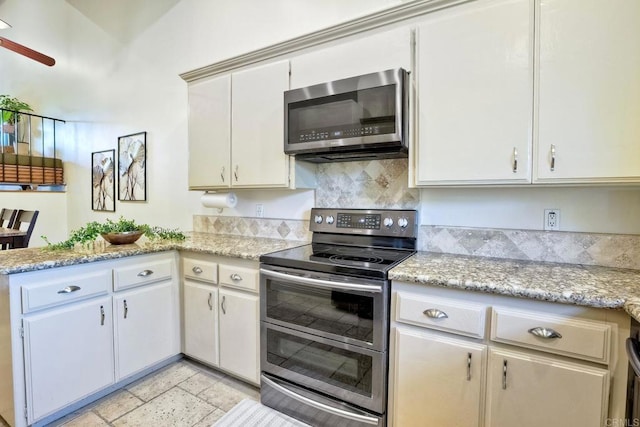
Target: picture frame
(132, 167)
(103, 181)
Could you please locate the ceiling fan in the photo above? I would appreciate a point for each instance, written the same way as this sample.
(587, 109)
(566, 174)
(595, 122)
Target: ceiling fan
(23, 50)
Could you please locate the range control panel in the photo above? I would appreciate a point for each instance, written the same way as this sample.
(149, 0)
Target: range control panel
(382, 222)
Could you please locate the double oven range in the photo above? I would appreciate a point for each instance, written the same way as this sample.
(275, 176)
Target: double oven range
(325, 317)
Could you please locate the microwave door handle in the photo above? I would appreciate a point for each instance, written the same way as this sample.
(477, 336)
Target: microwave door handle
(321, 406)
(320, 282)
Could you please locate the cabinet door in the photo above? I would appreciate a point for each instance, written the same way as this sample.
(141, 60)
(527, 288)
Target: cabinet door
(240, 334)
(475, 94)
(210, 133)
(589, 91)
(363, 54)
(438, 380)
(526, 390)
(201, 322)
(68, 355)
(257, 123)
(145, 327)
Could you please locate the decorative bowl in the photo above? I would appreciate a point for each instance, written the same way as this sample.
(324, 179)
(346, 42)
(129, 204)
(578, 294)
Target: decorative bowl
(123, 237)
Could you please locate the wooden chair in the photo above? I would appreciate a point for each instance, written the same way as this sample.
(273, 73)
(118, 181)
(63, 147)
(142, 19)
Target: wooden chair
(28, 218)
(7, 216)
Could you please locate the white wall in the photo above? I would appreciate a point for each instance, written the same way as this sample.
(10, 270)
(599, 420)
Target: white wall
(117, 73)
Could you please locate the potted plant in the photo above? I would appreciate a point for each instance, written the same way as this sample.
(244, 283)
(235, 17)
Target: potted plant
(11, 108)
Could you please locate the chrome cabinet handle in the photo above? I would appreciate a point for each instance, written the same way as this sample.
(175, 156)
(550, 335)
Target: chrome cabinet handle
(546, 333)
(101, 315)
(69, 289)
(515, 160)
(434, 313)
(469, 366)
(504, 374)
(222, 174)
(196, 270)
(235, 173)
(210, 301)
(224, 310)
(553, 157)
(235, 277)
(145, 273)
(126, 309)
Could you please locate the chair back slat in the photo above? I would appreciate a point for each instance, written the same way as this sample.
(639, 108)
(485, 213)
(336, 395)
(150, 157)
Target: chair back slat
(7, 217)
(25, 217)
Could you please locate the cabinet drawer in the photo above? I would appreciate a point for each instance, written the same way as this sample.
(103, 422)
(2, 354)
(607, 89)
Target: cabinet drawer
(579, 338)
(57, 291)
(239, 277)
(460, 317)
(140, 272)
(206, 271)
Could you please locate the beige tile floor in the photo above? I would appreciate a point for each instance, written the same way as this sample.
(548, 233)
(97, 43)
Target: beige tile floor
(182, 394)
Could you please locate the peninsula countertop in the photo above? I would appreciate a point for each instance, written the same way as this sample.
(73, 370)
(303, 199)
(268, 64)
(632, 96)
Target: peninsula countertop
(592, 286)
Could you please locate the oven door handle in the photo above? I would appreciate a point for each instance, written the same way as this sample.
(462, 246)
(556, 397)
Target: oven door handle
(321, 406)
(320, 282)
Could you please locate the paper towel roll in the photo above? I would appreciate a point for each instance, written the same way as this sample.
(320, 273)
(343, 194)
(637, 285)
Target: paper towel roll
(219, 200)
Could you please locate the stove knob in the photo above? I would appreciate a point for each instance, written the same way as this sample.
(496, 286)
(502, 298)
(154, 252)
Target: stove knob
(318, 219)
(330, 219)
(403, 222)
(388, 222)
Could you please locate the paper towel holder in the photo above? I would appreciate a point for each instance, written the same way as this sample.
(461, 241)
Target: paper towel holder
(230, 201)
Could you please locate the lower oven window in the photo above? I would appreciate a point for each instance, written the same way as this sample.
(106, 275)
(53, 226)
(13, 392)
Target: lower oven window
(345, 314)
(344, 369)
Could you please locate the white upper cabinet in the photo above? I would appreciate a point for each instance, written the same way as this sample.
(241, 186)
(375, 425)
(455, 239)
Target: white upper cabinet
(362, 55)
(257, 123)
(474, 78)
(589, 91)
(210, 132)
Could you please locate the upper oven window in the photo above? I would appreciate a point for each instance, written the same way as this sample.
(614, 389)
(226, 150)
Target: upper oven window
(327, 311)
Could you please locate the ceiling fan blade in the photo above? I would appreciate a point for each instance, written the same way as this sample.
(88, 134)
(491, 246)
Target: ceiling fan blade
(29, 53)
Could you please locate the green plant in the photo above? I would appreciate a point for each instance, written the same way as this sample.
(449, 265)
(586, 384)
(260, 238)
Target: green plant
(90, 232)
(13, 104)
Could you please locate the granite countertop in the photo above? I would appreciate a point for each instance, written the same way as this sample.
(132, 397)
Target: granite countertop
(592, 286)
(31, 259)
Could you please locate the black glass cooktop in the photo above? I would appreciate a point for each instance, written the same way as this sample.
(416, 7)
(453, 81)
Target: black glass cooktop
(338, 259)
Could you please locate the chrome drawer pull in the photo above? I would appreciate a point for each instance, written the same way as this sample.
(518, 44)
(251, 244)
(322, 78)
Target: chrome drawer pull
(236, 277)
(434, 313)
(224, 310)
(210, 302)
(469, 366)
(101, 315)
(553, 158)
(222, 174)
(126, 309)
(145, 273)
(196, 270)
(504, 374)
(69, 289)
(515, 160)
(546, 333)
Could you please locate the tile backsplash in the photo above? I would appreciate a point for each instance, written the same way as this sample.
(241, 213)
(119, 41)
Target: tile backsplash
(383, 184)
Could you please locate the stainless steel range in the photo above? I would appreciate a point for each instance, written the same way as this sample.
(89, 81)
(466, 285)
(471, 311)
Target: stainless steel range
(325, 317)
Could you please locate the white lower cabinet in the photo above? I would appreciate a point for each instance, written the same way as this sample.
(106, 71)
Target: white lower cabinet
(85, 328)
(239, 334)
(68, 355)
(528, 367)
(439, 380)
(528, 390)
(222, 313)
(144, 321)
(201, 322)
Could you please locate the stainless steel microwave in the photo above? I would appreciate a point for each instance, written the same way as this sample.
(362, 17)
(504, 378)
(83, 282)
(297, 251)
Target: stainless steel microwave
(358, 118)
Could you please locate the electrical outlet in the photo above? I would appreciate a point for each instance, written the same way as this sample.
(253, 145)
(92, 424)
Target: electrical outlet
(552, 219)
(260, 210)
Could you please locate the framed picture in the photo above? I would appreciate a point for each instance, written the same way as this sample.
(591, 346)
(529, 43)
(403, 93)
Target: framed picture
(103, 181)
(132, 167)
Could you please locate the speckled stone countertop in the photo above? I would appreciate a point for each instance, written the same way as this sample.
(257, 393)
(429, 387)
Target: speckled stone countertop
(31, 259)
(593, 286)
